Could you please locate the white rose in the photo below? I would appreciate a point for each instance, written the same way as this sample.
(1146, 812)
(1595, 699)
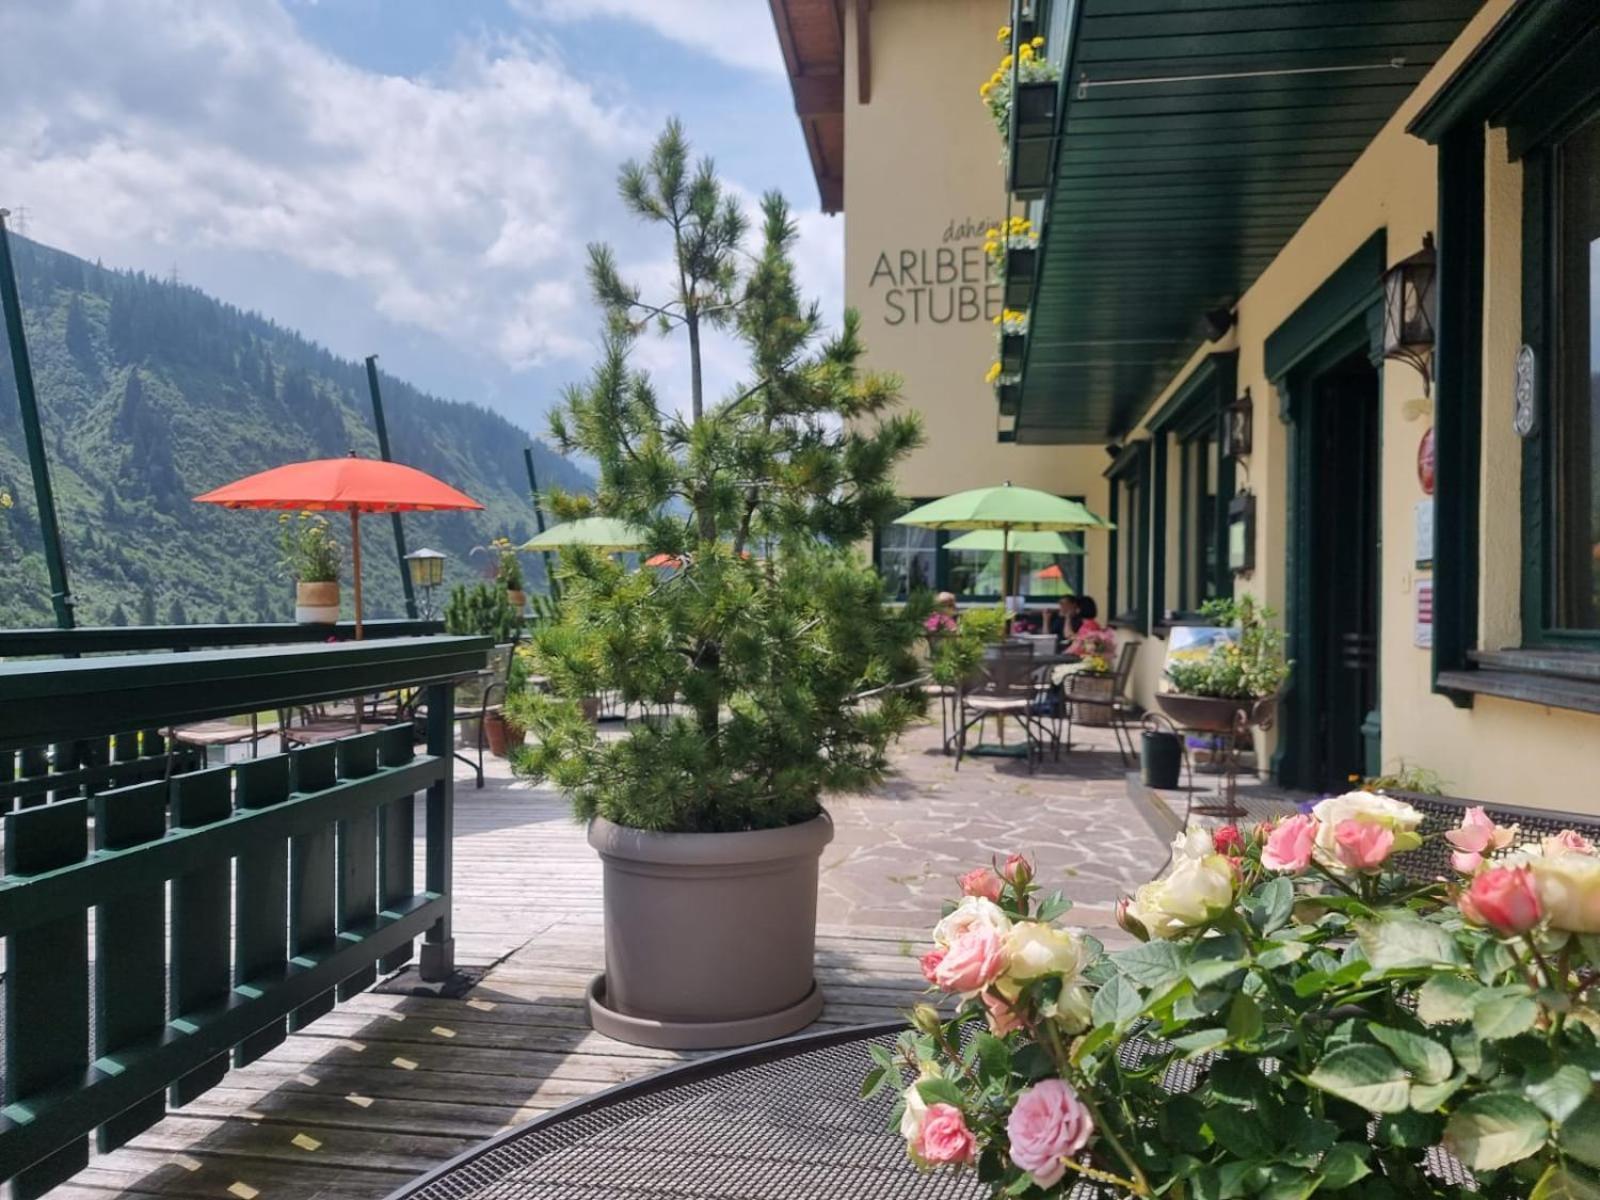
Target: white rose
(916, 1111)
(971, 912)
(1192, 893)
(1036, 949)
(1569, 889)
(1193, 842)
(1074, 1010)
(1369, 808)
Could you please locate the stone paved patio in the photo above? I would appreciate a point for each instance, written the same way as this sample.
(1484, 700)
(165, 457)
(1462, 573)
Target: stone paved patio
(896, 851)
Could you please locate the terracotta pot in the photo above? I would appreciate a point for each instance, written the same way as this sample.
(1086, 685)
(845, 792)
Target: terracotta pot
(316, 603)
(710, 937)
(494, 726)
(519, 599)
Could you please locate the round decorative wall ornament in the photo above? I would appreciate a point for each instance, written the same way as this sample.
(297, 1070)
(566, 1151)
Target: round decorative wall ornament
(1525, 416)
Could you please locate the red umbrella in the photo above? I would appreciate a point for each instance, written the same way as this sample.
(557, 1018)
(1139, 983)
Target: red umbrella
(353, 485)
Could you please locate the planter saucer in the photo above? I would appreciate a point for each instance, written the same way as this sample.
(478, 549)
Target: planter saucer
(698, 1035)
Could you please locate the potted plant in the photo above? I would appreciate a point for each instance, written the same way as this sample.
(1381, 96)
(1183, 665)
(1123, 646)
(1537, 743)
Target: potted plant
(1012, 249)
(504, 729)
(1236, 678)
(509, 573)
(1021, 96)
(709, 820)
(1297, 1018)
(311, 559)
(1094, 682)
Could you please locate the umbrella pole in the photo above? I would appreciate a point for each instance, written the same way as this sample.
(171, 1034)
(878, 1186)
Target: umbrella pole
(355, 560)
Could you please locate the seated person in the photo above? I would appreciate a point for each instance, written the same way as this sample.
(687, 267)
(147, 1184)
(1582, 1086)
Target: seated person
(1085, 620)
(1065, 620)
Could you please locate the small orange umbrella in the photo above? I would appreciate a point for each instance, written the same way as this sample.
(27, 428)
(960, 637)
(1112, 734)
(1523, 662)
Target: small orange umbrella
(353, 485)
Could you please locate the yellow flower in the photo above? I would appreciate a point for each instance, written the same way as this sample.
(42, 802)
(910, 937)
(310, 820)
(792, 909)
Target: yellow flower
(1005, 63)
(993, 373)
(1037, 43)
(1004, 35)
(985, 88)
(1026, 53)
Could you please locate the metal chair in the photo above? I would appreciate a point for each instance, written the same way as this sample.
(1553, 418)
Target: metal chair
(1008, 687)
(1124, 709)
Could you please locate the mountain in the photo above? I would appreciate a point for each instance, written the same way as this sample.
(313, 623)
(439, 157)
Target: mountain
(151, 392)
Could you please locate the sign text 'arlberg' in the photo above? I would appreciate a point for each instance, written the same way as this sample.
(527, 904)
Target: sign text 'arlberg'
(947, 283)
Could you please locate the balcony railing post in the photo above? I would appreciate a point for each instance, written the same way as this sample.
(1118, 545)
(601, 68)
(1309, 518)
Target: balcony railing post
(439, 944)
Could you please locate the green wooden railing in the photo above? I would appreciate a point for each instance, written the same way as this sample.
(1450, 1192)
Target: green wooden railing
(229, 905)
(134, 639)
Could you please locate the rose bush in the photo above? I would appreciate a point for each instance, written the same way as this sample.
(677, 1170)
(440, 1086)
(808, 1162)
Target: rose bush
(1299, 1018)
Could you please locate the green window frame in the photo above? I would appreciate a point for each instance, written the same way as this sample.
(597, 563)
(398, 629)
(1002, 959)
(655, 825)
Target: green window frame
(1188, 429)
(1552, 615)
(1128, 549)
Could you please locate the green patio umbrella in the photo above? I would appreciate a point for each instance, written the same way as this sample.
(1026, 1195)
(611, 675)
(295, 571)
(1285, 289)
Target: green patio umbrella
(600, 533)
(1006, 510)
(1024, 542)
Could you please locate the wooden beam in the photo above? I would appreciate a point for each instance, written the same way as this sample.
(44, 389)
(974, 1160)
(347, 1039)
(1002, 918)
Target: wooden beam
(816, 95)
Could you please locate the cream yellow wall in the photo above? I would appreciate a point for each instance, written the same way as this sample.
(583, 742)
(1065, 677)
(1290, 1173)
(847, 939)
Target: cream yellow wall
(922, 182)
(1507, 751)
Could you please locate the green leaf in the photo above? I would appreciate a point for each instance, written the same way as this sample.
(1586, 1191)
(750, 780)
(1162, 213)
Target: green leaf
(1198, 1043)
(1446, 999)
(1562, 1183)
(1409, 1130)
(1427, 1061)
(881, 1056)
(1498, 1016)
(1492, 959)
(1117, 1001)
(1150, 964)
(1579, 1134)
(940, 1091)
(1367, 1076)
(1558, 1092)
(1403, 943)
(994, 1057)
(1052, 907)
(1427, 1097)
(1269, 906)
(1244, 1019)
(1494, 1130)
(1282, 955)
(873, 1082)
(1240, 1132)
(1343, 1165)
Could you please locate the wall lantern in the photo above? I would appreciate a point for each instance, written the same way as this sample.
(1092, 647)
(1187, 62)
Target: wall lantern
(1242, 533)
(427, 572)
(1238, 427)
(1409, 310)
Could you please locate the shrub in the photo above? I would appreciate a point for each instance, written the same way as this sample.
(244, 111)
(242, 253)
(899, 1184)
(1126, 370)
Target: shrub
(481, 610)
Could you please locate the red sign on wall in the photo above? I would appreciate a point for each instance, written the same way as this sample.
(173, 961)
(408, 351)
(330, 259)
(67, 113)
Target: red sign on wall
(1425, 462)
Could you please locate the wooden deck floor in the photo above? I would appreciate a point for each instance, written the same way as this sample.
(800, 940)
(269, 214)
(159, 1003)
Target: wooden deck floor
(387, 1086)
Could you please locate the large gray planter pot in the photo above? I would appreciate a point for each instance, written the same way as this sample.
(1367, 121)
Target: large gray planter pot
(710, 937)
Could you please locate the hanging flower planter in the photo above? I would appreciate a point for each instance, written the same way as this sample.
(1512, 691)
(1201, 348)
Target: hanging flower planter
(1012, 252)
(1010, 396)
(1011, 353)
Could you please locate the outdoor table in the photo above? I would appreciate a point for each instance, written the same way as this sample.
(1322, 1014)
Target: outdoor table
(783, 1121)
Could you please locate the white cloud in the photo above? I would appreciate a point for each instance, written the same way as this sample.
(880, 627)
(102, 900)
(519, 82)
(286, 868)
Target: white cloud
(737, 32)
(459, 202)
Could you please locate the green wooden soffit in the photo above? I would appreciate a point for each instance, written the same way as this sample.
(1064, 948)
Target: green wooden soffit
(1353, 288)
(1176, 187)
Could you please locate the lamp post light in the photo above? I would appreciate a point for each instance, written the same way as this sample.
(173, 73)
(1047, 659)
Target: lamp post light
(427, 572)
(1409, 310)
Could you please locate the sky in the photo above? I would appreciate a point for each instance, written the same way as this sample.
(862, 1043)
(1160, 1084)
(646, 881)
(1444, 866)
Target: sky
(412, 178)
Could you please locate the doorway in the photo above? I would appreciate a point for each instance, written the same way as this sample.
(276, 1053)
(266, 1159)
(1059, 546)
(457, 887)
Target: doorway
(1340, 534)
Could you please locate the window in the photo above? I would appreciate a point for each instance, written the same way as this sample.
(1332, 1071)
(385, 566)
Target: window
(1127, 598)
(1561, 592)
(1193, 421)
(1575, 423)
(909, 557)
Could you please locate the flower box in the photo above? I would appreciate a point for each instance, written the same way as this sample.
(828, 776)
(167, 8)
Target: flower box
(1215, 714)
(1035, 109)
(1010, 396)
(1022, 265)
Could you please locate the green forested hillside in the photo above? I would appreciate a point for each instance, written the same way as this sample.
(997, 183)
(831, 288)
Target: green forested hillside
(152, 392)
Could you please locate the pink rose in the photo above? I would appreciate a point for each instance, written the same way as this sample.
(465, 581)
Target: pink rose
(1504, 899)
(1289, 844)
(930, 961)
(1477, 836)
(944, 1137)
(1003, 1019)
(981, 881)
(974, 960)
(1017, 870)
(1568, 841)
(1362, 845)
(1048, 1126)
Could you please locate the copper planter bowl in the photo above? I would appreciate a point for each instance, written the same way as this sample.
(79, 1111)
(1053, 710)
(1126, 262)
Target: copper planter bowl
(1216, 714)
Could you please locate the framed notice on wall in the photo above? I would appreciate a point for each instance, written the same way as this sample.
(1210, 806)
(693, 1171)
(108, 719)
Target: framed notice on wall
(1422, 533)
(1424, 627)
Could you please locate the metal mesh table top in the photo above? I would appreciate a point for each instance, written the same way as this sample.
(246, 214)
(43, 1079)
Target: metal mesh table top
(779, 1122)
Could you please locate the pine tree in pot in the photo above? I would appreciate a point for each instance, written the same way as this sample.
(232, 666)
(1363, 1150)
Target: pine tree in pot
(751, 653)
